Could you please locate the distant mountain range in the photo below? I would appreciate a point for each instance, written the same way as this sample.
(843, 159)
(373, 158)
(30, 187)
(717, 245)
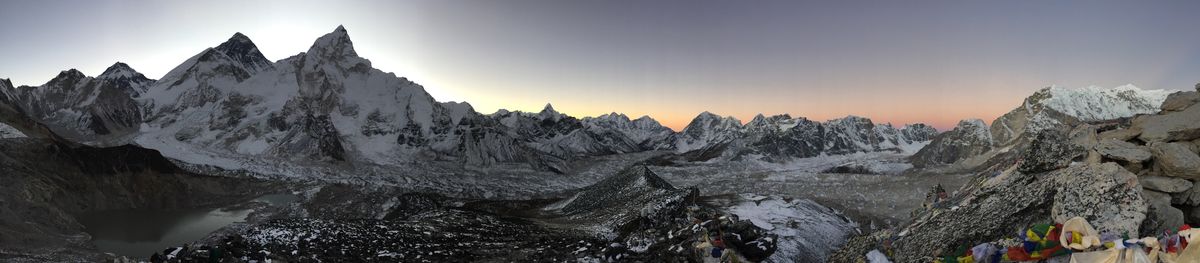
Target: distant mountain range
(229, 107)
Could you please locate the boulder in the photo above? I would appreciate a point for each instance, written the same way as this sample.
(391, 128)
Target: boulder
(1176, 159)
(1123, 151)
(1160, 214)
(1084, 135)
(1180, 100)
(1165, 184)
(1134, 167)
(1106, 195)
(1120, 134)
(1190, 197)
(1170, 126)
(1049, 150)
(1192, 217)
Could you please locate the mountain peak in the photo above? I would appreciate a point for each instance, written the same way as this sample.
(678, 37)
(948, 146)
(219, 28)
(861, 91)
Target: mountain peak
(238, 37)
(241, 48)
(548, 112)
(67, 76)
(120, 70)
(1094, 103)
(334, 44)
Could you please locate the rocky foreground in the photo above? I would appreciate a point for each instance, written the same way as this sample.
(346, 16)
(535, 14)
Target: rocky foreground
(631, 216)
(1132, 176)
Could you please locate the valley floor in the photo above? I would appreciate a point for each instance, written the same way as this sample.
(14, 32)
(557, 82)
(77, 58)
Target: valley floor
(875, 200)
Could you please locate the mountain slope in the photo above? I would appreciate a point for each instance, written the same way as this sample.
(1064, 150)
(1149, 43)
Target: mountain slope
(1049, 109)
(328, 105)
(97, 110)
(780, 137)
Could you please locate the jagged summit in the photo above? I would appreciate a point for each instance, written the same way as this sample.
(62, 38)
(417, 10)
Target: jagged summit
(66, 77)
(334, 44)
(240, 48)
(121, 70)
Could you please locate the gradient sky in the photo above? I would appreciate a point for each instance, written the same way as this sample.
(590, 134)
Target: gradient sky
(894, 61)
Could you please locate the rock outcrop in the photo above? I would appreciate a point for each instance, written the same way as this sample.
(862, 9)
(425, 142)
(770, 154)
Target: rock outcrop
(1131, 176)
(993, 207)
(1176, 159)
(1123, 151)
(968, 138)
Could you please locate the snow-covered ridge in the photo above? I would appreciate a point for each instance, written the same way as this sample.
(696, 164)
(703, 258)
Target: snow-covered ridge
(782, 136)
(221, 107)
(94, 110)
(1094, 103)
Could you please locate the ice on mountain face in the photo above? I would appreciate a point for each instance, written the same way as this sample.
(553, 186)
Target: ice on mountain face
(807, 231)
(10, 132)
(644, 132)
(329, 105)
(851, 134)
(120, 70)
(706, 130)
(1094, 103)
(240, 48)
(99, 111)
(969, 138)
(782, 137)
(1057, 108)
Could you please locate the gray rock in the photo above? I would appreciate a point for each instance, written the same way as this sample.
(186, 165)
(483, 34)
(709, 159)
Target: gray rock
(1165, 184)
(1123, 151)
(1193, 216)
(1050, 150)
(1171, 126)
(1134, 167)
(1190, 197)
(1180, 100)
(993, 207)
(1120, 134)
(1175, 159)
(1104, 194)
(1160, 215)
(1084, 135)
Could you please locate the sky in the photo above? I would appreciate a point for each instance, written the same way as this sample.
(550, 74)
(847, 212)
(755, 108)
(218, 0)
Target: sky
(901, 62)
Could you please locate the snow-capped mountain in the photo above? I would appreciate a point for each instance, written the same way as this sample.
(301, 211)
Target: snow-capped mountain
(707, 129)
(970, 137)
(781, 136)
(97, 110)
(1055, 106)
(1051, 108)
(230, 108)
(644, 131)
(329, 105)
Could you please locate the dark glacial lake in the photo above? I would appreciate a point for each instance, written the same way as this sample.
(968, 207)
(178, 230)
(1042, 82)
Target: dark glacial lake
(140, 233)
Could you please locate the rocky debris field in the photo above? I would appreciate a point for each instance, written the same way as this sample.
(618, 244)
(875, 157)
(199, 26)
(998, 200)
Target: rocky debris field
(631, 216)
(1134, 177)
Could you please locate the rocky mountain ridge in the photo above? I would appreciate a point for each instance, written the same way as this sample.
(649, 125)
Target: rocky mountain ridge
(228, 104)
(1051, 108)
(779, 137)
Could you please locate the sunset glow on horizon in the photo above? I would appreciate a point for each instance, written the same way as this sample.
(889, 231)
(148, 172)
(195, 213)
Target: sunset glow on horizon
(899, 62)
